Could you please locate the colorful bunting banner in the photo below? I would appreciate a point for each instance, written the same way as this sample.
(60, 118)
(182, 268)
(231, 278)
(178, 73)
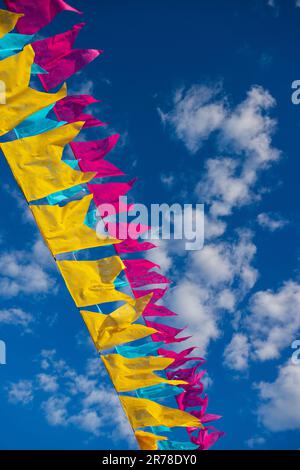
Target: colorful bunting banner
(68, 207)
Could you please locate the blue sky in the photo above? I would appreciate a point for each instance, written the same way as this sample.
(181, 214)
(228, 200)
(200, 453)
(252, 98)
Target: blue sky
(201, 93)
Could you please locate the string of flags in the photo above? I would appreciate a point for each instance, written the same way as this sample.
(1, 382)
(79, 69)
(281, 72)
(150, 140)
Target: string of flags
(121, 310)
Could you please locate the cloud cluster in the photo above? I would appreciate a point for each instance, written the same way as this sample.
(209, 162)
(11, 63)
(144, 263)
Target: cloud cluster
(26, 272)
(280, 410)
(69, 398)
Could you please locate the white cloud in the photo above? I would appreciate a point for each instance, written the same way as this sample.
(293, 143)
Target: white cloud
(26, 272)
(197, 112)
(78, 400)
(280, 408)
(55, 409)
(271, 222)
(48, 383)
(16, 317)
(215, 279)
(236, 354)
(167, 180)
(255, 441)
(274, 320)
(20, 392)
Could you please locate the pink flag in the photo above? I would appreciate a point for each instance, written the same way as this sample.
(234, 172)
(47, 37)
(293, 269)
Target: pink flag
(153, 310)
(132, 246)
(109, 192)
(157, 293)
(124, 230)
(51, 49)
(113, 208)
(190, 375)
(139, 273)
(67, 66)
(70, 109)
(56, 56)
(205, 440)
(189, 399)
(102, 168)
(166, 333)
(96, 149)
(38, 13)
(180, 358)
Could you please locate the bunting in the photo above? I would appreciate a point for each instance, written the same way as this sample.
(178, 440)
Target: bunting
(59, 178)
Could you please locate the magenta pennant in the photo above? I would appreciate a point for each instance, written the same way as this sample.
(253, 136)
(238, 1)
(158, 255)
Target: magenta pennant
(67, 66)
(113, 208)
(166, 334)
(56, 56)
(50, 50)
(37, 13)
(109, 192)
(70, 109)
(157, 293)
(153, 310)
(123, 230)
(133, 246)
(190, 375)
(96, 149)
(102, 168)
(179, 358)
(139, 274)
(190, 398)
(205, 440)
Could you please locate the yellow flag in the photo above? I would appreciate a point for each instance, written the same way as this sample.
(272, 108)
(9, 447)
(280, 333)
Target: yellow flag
(64, 229)
(108, 331)
(36, 162)
(8, 21)
(147, 440)
(142, 412)
(92, 282)
(130, 374)
(21, 100)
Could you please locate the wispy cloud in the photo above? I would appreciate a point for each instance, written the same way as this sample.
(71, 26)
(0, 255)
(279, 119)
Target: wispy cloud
(70, 398)
(271, 222)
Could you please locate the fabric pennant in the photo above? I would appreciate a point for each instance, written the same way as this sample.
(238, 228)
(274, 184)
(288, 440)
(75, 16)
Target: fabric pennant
(109, 192)
(140, 273)
(37, 123)
(159, 391)
(142, 412)
(137, 351)
(176, 445)
(166, 333)
(70, 109)
(132, 374)
(56, 56)
(92, 282)
(148, 440)
(118, 327)
(8, 21)
(63, 228)
(46, 172)
(13, 42)
(21, 100)
(94, 150)
(180, 358)
(36, 14)
(157, 293)
(154, 310)
(133, 246)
